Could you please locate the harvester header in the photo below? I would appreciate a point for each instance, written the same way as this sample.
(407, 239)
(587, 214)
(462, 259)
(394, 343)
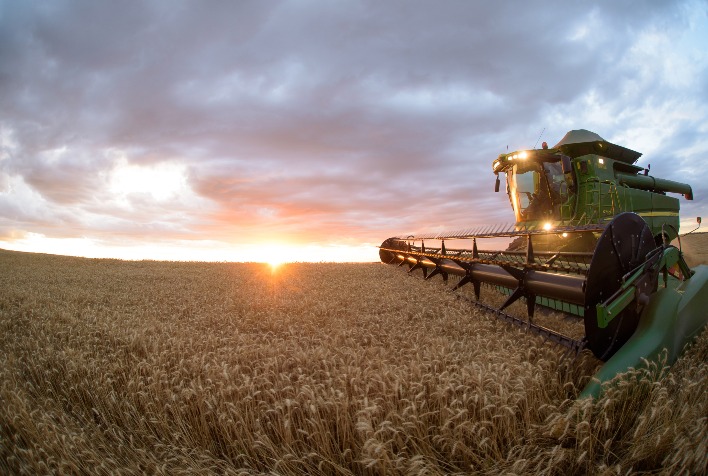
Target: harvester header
(592, 239)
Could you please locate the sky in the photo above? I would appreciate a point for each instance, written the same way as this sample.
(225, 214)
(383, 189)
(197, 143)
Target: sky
(312, 130)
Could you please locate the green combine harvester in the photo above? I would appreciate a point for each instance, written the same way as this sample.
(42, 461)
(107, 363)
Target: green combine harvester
(592, 239)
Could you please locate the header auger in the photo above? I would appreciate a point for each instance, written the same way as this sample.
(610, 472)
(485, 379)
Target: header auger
(591, 238)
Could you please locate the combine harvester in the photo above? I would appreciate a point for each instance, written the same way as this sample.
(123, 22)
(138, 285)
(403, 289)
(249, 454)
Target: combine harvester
(591, 238)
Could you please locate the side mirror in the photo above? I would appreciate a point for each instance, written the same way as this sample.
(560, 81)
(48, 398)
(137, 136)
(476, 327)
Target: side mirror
(496, 184)
(567, 167)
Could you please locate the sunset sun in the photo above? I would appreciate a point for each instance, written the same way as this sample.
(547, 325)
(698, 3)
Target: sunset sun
(275, 254)
(275, 263)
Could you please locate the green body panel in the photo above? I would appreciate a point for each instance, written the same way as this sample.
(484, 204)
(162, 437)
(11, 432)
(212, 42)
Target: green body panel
(602, 194)
(674, 316)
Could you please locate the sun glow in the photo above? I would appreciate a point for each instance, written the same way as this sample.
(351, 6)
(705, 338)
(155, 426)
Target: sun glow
(275, 254)
(276, 259)
(274, 265)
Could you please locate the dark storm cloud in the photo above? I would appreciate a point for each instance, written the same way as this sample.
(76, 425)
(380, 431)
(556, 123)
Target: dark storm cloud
(322, 119)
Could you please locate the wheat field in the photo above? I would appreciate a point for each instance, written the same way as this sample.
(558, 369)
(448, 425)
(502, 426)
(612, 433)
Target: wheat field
(120, 367)
(694, 247)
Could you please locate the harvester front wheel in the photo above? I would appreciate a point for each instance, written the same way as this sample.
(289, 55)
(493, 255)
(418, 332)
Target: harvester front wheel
(623, 246)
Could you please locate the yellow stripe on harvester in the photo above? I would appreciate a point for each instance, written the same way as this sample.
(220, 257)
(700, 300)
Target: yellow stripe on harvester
(658, 214)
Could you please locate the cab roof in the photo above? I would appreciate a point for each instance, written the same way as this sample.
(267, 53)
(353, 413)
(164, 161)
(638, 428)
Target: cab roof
(583, 142)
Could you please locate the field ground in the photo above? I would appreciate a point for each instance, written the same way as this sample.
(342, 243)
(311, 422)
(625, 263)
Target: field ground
(695, 248)
(118, 367)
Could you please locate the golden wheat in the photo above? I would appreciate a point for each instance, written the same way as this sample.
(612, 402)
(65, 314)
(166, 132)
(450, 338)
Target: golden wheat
(114, 367)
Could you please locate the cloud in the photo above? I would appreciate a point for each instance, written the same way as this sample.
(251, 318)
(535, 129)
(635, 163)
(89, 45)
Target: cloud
(324, 122)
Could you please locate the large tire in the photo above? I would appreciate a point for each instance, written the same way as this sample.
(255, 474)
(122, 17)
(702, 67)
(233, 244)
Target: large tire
(623, 246)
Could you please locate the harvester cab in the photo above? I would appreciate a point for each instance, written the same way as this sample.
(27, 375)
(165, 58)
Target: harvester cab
(591, 237)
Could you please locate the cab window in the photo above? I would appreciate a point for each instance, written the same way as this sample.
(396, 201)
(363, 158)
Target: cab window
(535, 190)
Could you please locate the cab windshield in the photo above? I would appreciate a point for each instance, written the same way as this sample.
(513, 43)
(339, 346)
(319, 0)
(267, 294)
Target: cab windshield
(535, 190)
